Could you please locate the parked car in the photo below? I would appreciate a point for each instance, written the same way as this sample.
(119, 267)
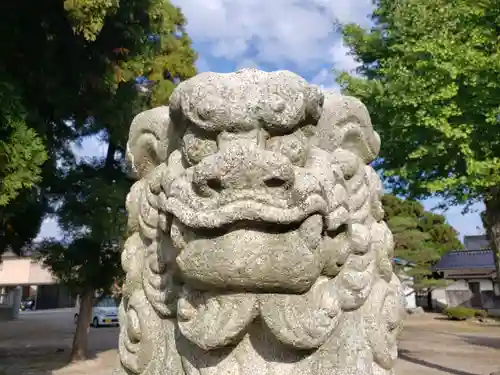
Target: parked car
(104, 312)
(27, 304)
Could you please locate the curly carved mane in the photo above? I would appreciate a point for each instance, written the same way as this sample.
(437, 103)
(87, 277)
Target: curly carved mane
(164, 311)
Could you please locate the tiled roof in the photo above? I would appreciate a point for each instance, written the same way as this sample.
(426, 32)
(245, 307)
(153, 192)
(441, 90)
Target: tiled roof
(466, 259)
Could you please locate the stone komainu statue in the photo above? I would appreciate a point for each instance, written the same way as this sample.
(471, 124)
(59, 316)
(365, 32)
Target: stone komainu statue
(257, 242)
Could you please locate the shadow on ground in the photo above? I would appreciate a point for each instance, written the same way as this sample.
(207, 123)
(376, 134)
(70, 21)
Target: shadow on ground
(490, 342)
(478, 340)
(405, 355)
(39, 343)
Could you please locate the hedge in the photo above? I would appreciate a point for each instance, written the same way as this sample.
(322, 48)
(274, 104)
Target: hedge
(464, 313)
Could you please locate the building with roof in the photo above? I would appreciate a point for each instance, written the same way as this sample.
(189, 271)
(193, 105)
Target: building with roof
(23, 270)
(472, 274)
(467, 264)
(476, 242)
(36, 282)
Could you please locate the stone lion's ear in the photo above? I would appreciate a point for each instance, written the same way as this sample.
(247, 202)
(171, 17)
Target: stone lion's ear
(149, 140)
(345, 123)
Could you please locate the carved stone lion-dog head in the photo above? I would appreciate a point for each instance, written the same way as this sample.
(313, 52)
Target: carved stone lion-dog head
(253, 184)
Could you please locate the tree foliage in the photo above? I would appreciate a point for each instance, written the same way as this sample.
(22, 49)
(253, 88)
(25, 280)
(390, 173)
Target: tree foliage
(430, 74)
(92, 216)
(75, 69)
(21, 149)
(21, 219)
(420, 237)
(70, 74)
(92, 211)
(87, 16)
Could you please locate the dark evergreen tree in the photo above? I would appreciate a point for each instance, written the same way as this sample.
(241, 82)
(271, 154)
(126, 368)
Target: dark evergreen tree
(74, 70)
(420, 237)
(430, 75)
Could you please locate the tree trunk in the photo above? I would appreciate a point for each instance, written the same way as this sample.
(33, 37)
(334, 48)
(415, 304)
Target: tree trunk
(492, 225)
(110, 156)
(80, 340)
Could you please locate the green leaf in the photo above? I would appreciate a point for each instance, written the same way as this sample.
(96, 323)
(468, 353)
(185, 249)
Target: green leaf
(431, 80)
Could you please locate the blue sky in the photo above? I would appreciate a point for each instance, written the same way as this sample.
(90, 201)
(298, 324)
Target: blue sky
(297, 35)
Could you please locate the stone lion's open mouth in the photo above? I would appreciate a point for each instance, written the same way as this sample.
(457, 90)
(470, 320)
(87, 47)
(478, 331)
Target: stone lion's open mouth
(250, 255)
(245, 241)
(312, 226)
(256, 226)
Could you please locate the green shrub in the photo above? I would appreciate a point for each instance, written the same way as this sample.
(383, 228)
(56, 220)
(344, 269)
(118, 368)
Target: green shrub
(460, 313)
(481, 314)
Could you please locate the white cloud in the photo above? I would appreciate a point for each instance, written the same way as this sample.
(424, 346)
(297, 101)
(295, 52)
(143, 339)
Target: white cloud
(321, 77)
(279, 32)
(339, 55)
(325, 79)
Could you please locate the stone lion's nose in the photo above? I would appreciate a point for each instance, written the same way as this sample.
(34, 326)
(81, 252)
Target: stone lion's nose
(241, 167)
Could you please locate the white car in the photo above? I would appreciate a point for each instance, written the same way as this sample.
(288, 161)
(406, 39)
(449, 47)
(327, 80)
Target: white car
(104, 312)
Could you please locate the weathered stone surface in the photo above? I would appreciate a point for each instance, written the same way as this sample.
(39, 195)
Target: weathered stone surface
(257, 245)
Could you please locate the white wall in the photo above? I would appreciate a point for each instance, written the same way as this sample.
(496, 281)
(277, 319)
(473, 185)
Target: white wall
(484, 284)
(439, 299)
(24, 271)
(409, 296)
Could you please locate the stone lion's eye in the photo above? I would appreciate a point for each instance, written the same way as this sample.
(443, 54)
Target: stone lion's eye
(294, 146)
(197, 145)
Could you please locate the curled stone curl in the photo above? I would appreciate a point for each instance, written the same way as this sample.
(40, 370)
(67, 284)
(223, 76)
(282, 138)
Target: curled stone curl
(150, 290)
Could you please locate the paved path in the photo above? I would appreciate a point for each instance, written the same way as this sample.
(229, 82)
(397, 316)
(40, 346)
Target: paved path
(28, 313)
(39, 343)
(438, 347)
